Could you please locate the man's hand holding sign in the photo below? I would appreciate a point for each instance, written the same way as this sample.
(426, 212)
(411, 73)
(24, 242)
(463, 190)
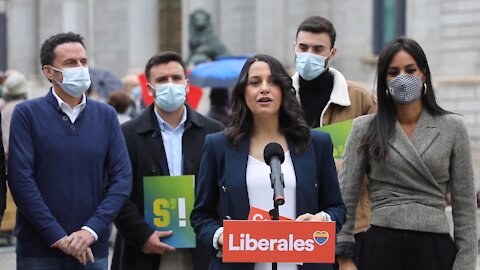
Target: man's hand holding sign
(168, 203)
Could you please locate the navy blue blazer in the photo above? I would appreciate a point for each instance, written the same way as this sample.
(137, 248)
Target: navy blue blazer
(221, 190)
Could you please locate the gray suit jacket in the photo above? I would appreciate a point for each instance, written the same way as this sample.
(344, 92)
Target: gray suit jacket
(408, 190)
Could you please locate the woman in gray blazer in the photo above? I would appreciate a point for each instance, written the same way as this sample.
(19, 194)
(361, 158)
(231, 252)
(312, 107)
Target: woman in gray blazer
(412, 151)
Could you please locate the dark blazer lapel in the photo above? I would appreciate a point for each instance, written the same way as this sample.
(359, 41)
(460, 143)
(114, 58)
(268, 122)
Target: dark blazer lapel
(161, 156)
(148, 126)
(405, 147)
(303, 164)
(235, 179)
(192, 141)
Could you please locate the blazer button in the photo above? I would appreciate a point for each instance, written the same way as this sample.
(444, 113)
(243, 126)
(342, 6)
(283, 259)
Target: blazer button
(316, 185)
(228, 217)
(154, 169)
(65, 118)
(154, 134)
(224, 188)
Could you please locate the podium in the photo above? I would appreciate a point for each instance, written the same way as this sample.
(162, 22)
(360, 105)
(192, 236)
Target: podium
(278, 241)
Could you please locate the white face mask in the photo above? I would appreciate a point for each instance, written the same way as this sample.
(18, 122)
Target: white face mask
(76, 80)
(170, 96)
(309, 65)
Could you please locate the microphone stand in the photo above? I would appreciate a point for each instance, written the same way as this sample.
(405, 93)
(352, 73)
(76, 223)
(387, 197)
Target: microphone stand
(274, 157)
(274, 215)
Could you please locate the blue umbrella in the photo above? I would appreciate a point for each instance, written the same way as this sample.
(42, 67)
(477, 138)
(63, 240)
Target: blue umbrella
(223, 72)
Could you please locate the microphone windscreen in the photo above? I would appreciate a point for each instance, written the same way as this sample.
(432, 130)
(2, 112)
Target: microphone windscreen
(273, 150)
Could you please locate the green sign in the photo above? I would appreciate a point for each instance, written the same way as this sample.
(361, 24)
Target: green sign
(339, 133)
(168, 202)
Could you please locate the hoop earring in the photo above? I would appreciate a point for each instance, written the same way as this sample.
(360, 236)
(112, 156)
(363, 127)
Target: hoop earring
(425, 89)
(386, 93)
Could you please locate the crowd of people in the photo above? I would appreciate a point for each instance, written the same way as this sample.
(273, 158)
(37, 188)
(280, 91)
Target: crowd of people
(75, 165)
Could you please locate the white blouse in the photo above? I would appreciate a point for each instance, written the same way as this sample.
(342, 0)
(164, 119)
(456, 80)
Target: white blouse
(260, 195)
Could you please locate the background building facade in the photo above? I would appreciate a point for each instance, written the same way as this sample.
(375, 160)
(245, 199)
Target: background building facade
(122, 34)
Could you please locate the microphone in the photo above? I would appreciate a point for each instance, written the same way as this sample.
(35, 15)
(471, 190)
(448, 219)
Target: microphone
(274, 157)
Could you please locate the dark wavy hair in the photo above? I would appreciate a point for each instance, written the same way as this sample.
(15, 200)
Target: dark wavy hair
(291, 121)
(383, 124)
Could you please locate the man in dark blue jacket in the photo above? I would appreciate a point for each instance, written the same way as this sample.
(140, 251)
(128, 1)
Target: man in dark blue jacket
(69, 170)
(166, 139)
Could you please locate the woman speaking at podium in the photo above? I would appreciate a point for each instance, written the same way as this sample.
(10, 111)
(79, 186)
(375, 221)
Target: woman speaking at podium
(234, 176)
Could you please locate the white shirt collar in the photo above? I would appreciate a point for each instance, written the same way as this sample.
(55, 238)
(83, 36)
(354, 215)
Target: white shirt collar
(62, 103)
(71, 112)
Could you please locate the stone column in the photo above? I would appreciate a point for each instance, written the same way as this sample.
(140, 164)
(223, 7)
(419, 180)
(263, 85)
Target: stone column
(75, 16)
(270, 29)
(22, 51)
(142, 32)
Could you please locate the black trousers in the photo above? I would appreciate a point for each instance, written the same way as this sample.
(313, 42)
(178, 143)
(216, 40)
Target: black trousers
(385, 248)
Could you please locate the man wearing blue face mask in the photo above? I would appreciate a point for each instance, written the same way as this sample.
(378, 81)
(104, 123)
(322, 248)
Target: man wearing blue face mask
(326, 97)
(68, 170)
(165, 139)
(131, 86)
(324, 93)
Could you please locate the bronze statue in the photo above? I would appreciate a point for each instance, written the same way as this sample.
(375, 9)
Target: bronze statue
(204, 44)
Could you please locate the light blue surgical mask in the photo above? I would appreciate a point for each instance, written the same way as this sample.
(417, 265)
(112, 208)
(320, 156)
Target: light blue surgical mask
(309, 65)
(76, 80)
(170, 96)
(136, 92)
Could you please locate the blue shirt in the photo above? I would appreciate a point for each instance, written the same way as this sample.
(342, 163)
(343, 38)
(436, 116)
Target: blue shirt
(172, 141)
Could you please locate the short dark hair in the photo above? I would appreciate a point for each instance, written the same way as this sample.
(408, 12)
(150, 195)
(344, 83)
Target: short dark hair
(219, 96)
(120, 101)
(317, 24)
(48, 47)
(163, 58)
(290, 117)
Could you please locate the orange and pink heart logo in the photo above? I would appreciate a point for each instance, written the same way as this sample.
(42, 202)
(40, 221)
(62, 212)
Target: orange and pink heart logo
(320, 237)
